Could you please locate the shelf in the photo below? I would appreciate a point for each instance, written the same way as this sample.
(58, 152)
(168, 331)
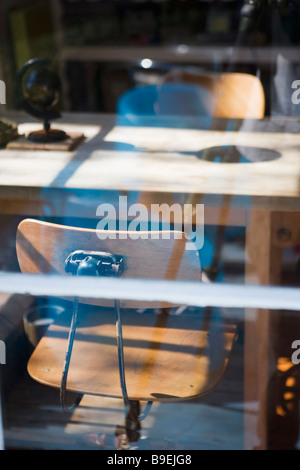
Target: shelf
(180, 54)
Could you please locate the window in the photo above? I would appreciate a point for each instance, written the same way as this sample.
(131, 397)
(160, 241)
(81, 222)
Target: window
(149, 179)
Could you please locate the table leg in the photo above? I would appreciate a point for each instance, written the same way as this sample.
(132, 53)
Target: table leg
(263, 267)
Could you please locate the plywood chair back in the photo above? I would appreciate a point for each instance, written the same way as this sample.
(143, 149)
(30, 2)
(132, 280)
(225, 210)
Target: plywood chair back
(43, 248)
(234, 95)
(167, 357)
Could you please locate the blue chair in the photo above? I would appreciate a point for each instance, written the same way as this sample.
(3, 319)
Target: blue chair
(167, 101)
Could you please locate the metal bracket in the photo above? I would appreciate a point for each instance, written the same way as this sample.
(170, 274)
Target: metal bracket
(94, 263)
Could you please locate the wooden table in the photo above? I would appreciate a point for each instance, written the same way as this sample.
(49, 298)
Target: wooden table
(160, 161)
(163, 163)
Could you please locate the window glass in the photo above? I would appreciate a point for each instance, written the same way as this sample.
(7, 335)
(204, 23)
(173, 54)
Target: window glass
(149, 218)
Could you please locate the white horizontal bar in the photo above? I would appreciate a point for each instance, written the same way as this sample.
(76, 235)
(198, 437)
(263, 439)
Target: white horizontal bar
(179, 292)
(188, 54)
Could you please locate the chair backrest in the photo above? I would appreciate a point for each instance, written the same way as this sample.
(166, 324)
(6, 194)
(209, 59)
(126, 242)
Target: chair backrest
(234, 95)
(43, 247)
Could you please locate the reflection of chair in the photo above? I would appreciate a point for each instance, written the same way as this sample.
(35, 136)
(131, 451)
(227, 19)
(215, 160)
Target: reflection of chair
(155, 356)
(234, 95)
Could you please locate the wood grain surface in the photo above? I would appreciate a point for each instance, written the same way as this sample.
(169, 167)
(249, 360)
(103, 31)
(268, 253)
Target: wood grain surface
(167, 357)
(158, 161)
(44, 247)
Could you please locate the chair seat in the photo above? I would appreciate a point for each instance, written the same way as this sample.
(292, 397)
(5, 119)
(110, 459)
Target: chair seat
(167, 357)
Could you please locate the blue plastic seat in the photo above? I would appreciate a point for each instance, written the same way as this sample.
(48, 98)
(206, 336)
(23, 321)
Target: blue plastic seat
(164, 101)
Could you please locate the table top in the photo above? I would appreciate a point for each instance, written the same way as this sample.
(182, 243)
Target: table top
(257, 163)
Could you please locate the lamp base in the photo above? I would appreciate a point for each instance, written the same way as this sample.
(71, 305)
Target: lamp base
(47, 136)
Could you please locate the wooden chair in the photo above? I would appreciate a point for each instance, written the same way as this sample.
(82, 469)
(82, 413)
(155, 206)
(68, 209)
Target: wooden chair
(230, 96)
(234, 95)
(166, 357)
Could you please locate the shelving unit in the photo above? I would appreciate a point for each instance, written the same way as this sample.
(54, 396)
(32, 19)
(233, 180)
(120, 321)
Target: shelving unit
(104, 42)
(98, 44)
